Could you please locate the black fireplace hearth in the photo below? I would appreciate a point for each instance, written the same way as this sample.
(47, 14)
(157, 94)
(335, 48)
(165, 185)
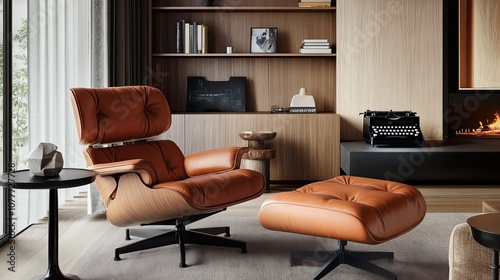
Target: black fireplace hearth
(459, 162)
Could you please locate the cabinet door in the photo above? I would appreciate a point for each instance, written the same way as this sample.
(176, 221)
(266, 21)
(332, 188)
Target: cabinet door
(307, 145)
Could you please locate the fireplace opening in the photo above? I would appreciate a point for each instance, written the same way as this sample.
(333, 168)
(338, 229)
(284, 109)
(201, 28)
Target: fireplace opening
(470, 110)
(473, 116)
(486, 127)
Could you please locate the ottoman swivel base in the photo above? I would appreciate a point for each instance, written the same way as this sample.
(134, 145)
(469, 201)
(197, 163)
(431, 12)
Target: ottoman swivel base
(359, 260)
(347, 208)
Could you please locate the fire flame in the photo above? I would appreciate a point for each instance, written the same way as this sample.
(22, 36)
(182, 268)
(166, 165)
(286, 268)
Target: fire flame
(492, 128)
(495, 125)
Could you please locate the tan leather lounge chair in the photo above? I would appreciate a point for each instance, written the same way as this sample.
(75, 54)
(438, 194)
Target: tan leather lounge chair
(151, 182)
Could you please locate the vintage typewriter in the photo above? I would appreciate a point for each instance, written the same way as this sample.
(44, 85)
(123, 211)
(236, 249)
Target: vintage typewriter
(392, 128)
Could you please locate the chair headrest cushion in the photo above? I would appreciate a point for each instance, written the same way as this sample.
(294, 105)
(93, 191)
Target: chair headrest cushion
(119, 114)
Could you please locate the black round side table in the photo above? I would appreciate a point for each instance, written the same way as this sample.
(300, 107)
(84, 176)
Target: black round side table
(486, 231)
(67, 178)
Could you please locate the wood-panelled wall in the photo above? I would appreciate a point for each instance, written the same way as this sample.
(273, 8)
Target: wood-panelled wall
(389, 56)
(307, 145)
(270, 81)
(486, 45)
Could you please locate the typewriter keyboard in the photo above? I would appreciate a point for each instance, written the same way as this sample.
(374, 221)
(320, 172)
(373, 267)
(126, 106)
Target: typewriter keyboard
(395, 130)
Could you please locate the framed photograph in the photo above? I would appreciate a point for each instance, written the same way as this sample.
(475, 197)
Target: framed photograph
(263, 39)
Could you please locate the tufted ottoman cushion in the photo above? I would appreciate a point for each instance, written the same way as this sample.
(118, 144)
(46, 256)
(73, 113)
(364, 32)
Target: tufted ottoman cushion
(347, 208)
(350, 208)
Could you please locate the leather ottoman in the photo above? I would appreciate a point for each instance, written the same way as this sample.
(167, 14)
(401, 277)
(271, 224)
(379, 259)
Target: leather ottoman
(347, 208)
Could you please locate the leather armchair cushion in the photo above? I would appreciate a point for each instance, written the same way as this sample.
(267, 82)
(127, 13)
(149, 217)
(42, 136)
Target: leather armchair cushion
(142, 167)
(144, 108)
(213, 191)
(164, 157)
(213, 161)
(165, 161)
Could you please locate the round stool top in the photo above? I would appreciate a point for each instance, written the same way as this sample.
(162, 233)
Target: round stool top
(261, 135)
(486, 230)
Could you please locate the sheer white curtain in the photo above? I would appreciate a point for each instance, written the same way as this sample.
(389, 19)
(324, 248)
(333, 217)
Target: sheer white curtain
(59, 57)
(100, 30)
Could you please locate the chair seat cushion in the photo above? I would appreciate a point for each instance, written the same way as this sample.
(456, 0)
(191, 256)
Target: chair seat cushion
(348, 208)
(215, 191)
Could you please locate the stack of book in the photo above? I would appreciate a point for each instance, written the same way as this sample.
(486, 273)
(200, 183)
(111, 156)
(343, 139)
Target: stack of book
(315, 46)
(192, 37)
(315, 3)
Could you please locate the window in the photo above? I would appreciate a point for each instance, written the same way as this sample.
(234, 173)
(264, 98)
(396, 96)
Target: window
(3, 193)
(59, 58)
(15, 89)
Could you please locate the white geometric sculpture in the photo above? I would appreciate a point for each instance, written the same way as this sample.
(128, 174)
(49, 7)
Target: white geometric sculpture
(45, 160)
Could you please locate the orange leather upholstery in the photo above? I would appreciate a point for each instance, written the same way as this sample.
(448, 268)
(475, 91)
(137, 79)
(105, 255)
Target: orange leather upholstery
(214, 161)
(348, 208)
(143, 181)
(109, 115)
(121, 114)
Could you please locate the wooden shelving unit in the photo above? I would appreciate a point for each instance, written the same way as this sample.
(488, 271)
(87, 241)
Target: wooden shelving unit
(272, 79)
(244, 9)
(261, 55)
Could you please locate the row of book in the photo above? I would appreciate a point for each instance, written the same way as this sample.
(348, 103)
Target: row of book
(315, 46)
(315, 3)
(192, 37)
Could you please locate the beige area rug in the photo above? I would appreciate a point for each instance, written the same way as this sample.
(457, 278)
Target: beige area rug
(87, 250)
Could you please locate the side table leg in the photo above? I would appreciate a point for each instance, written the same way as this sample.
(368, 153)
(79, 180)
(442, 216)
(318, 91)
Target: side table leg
(53, 271)
(494, 265)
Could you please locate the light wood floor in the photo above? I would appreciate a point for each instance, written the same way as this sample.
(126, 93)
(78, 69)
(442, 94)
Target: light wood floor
(75, 223)
(458, 199)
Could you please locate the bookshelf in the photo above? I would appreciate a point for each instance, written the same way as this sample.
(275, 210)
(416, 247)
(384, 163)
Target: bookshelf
(241, 55)
(272, 78)
(260, 9)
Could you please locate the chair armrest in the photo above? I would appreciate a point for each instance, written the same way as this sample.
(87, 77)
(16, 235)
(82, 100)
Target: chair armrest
(214, 161)
(140, 166)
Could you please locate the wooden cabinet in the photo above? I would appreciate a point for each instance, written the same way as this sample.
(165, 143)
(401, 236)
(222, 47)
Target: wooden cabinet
(272, 79)
(307, 145)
